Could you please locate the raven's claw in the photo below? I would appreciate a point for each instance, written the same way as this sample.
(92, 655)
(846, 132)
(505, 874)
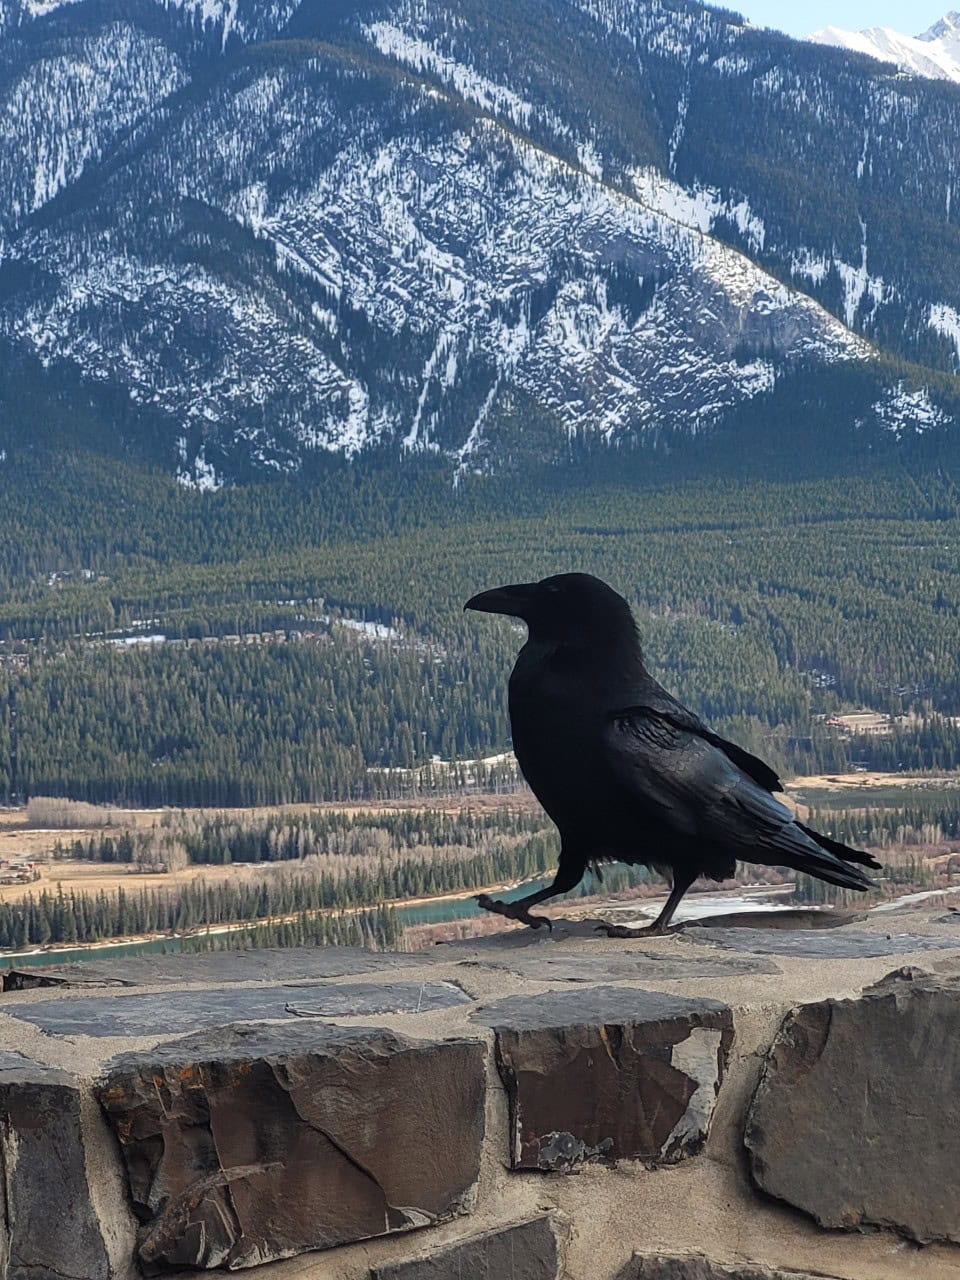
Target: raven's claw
(512, 911)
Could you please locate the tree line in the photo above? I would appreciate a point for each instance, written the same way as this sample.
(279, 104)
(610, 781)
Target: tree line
(70, 917)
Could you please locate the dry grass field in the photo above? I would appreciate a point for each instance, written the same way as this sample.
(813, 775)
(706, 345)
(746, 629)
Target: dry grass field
(862, 781)
(87, 877)
(20, 840)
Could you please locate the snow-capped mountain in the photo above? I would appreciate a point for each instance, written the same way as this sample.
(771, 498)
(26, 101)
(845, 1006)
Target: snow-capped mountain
(934, 54)
(264, 231)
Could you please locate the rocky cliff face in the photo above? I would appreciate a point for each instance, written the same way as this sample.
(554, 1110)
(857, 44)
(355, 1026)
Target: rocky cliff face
(289, 228)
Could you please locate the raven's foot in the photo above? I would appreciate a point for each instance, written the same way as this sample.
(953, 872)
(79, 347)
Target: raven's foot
(512, 911)
(648, 931)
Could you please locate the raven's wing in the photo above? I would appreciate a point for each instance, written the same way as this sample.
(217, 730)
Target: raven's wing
(657, 700)
(689, 785)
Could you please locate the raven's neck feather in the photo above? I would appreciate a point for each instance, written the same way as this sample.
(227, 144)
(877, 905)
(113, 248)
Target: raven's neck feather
(607, 668)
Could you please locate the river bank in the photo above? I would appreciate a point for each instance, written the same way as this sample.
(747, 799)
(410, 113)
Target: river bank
(418, 911)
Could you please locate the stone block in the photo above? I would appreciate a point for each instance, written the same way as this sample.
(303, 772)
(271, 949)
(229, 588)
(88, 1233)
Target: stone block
(697, 1267)
(260, 1142)
(643, 966)
(527, 1251)
(831, 944)
(49, 1229)
(350, 999)
(608, 1073)
(856, 1115)
(171, 1013)
(286, 964)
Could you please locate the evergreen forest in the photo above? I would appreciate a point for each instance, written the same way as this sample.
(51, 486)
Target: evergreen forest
(305, 641)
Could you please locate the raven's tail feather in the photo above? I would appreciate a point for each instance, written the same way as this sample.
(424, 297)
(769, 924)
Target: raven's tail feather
(840, 850)
(829, 860)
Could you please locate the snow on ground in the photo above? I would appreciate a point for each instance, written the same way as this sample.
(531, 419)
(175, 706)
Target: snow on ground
(902, 409)
(946, 321)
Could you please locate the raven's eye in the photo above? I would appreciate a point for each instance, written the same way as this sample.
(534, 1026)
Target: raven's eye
(553, 589)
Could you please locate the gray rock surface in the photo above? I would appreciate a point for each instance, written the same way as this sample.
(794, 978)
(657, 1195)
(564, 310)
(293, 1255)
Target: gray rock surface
(49, 1230)
(649, 966)
(277, 964)
(608, 1073)
(259, 1142)
(793, 918)
(358, 998)
(170, 1013)
(527, 1251)
(856, 1115)
(700, 1268)
(831, 944)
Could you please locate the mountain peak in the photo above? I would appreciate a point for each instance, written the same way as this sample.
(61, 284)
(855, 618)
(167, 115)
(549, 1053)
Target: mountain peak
(947, 28)
(935, 55)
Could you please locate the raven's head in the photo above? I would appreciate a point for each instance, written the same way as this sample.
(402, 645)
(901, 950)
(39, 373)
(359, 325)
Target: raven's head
(566, 607)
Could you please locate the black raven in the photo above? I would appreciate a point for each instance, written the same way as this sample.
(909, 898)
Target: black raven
(625, 771)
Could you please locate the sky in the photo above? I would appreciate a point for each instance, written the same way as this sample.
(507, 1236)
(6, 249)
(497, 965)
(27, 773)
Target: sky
(852, 15)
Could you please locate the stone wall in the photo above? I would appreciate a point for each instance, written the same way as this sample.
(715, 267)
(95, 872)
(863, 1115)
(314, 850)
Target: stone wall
(730, 1103)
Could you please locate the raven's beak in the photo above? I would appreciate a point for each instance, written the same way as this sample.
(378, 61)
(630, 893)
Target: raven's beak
(513, 601)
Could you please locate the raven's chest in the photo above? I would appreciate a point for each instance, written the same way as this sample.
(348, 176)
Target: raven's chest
(557, 714)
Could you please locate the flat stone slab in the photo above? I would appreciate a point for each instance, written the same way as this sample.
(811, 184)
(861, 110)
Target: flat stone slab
(790, 918)
(12, 1061)
(216, 967)
(356, 998)
(831, 944)
(856, 1115)
(49, 1226)
(650, 966)
(695, 1267)
(169, 1013)
(256, 1143)
(608, 1073)
(516, 940)
(527, 1251)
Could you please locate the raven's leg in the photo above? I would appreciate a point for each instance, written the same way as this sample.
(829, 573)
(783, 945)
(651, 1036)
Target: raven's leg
(682, 880)
(569, 874)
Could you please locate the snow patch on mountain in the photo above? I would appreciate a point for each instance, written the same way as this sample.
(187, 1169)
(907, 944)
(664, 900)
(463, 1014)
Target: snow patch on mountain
(858, 283)
(665, 29)
(115, 311)
(247, 20)
(408, 46)
(196, 474)
(40, 8)
(806, 265)
(420, 56)
(66, 110)
(702, 207)
(863, 293)
(903, 410)
(946, 321)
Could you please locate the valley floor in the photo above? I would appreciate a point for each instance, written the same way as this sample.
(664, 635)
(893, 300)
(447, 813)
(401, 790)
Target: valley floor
(915, 867)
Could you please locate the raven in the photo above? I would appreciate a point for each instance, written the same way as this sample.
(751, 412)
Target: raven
(625, 771)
